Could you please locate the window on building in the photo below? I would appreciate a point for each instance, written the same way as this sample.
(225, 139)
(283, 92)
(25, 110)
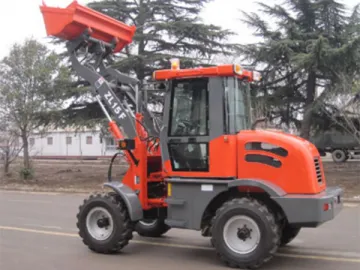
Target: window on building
(110, 143)
(88, 139)
(49, 140)
(68, 140)
(31, 141)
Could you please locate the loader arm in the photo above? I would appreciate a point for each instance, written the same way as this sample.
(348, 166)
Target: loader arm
(107, 79)
(128, 87)
(102, 89)
(143, 126)
(99, 37)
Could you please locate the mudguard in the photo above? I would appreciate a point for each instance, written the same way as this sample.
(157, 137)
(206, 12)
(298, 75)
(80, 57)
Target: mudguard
(270, 188)
(130, 198)
(190, 198)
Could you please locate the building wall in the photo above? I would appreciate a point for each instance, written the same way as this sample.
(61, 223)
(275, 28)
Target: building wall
(68, 143)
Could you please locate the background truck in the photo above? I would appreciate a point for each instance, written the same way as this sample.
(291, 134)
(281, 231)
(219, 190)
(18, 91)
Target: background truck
(340, 144)
(202, 167)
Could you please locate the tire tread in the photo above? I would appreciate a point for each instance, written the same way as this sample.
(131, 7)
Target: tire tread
(273, 224)
(157, 231)
(127, 232)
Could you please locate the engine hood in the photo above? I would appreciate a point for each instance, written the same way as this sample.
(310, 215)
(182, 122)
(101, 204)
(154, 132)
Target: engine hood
(281, 138)
(287, 160)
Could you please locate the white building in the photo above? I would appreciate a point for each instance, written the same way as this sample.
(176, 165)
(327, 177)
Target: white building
(70, 143)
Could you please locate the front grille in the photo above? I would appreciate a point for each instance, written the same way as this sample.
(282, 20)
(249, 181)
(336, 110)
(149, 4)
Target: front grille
(318, 169)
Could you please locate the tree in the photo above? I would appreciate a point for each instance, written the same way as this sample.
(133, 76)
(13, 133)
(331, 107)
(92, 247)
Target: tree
(341, 109)
(31, 80)
(9, 146)
(310, 44)
(165, 29)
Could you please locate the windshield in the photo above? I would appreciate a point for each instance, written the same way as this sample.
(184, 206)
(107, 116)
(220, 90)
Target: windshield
(237, 93)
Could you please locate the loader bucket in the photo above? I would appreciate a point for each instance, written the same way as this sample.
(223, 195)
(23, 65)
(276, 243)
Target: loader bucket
(70, 22)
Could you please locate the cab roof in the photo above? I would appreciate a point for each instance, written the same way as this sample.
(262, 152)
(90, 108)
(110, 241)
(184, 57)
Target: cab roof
(217, 71)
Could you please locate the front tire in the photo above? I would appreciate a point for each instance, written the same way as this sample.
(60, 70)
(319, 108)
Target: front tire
(104, 223)
(288, 234)
(151, 228)
(245, 233)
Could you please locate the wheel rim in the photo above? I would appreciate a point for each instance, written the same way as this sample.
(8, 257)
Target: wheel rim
(148, 222)
(241, 234)
(99, 223)
(339, 155)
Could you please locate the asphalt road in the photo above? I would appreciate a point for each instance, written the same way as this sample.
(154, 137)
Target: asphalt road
(37, 231)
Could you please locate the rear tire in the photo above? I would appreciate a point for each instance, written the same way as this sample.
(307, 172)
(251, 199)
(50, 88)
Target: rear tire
(288, 234)
(151, 228)
(104, 223)
(232, 225)
(339, 156)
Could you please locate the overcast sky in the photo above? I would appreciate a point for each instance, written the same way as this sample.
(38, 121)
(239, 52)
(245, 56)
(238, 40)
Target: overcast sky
(22, 18)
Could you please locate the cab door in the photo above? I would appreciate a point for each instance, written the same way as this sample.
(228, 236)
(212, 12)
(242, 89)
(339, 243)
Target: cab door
(194, 143)
(188, 134)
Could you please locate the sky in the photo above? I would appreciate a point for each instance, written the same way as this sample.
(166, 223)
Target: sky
(22, 18)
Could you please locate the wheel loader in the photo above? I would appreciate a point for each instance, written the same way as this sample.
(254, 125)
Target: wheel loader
(203, 166)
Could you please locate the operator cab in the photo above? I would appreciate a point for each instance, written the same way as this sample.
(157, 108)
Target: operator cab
(204, 110)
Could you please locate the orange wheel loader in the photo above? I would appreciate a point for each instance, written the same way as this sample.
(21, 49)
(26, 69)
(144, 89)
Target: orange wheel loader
(203, 166)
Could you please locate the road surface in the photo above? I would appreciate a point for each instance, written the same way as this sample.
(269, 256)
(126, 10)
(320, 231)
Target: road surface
(37, 231)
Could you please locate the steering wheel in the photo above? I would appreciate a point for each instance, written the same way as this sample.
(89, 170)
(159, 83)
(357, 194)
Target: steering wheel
(186, 123)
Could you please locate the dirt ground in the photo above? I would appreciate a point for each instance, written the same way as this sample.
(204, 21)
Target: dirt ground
(87, 176)
(346, 175)
(71, 176)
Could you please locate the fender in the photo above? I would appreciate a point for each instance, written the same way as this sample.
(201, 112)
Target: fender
(130, 198)
(270, 188)
(191, 198)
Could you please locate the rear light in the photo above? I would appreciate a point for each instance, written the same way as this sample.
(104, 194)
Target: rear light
(326, 207)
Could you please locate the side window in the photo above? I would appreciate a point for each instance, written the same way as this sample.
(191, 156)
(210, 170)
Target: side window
(189, 108)
(239, 110)
(189, 156)
(237, 99)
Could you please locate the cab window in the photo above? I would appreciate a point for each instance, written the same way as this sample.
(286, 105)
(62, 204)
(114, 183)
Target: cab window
(237, 105)
(189, 112)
